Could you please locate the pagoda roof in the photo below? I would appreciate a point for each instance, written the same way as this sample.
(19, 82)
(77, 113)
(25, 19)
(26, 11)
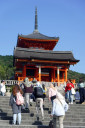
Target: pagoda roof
(25, 53)
(37, 35)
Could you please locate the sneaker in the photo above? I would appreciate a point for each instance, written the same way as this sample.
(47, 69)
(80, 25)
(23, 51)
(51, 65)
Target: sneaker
(83, 103)
(71, 102)
(18, 124)
(42, 117)
(30, 104)
(13, 124)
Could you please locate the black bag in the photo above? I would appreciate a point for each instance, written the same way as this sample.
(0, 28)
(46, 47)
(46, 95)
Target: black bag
(38, 92)
(53, 97)
(51, 124)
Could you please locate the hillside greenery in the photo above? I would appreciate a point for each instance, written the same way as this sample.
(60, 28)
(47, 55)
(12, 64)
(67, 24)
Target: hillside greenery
(7, 69)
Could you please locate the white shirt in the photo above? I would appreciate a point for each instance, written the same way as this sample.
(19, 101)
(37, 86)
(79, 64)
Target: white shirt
(3, 88)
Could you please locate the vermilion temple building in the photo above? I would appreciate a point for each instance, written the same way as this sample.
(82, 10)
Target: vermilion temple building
(34, 58)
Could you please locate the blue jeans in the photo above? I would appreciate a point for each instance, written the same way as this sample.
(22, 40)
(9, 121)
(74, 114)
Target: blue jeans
(15, 118)
(82, 94)
(3, 93)
(69, 96)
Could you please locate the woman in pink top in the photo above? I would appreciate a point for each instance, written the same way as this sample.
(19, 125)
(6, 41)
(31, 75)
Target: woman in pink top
(52, 93)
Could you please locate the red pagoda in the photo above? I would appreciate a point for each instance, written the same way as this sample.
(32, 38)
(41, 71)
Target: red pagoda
(34, 58)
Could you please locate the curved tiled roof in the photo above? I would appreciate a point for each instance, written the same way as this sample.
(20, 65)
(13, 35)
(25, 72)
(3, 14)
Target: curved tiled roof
(37, 35)
(26, 53)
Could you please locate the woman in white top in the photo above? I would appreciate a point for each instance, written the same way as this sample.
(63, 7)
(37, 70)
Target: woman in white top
(3, 88)
(58, 110)
(52, 93)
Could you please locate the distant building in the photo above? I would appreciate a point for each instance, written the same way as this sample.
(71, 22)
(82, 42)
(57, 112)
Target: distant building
(34, 58)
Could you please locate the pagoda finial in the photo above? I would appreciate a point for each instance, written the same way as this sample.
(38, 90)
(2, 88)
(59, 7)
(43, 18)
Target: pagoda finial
(36, 22)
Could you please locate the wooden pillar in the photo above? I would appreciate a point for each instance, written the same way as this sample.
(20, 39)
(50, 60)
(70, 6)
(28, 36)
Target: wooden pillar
(66, 74)
(24, 71)
(39, 73)
(54, 74)
(63, 76)
(58, 76)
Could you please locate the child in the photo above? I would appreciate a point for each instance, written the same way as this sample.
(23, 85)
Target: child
(77, 95)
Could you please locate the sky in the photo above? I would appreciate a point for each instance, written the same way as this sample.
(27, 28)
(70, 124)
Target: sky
(57, 18)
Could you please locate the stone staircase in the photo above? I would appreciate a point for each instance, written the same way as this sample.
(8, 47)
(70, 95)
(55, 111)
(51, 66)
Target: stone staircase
(75, 116)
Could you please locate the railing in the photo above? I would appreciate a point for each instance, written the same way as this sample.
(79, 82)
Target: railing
(60, 87)
(13, 82)
(10, 82)
(47, 84)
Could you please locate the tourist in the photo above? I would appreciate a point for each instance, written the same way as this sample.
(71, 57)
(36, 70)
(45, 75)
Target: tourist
(3, 88)
(81, 86)
(52, 93)
(68, 87)
(28, 89)
(15, 108)
(77, 95)
(38, 93)
(58, 110)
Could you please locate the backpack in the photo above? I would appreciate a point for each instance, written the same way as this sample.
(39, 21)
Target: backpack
(19, 99)
(38, 91)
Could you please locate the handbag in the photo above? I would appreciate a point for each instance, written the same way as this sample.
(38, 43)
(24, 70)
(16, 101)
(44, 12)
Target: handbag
(66, 107)
(73, 91)
(53, 97)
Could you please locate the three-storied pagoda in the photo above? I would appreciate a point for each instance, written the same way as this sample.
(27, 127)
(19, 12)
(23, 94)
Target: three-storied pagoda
(34, 58)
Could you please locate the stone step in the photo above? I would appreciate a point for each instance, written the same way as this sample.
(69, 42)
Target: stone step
(33, 108)
(23, 126)
(46, 103)
(26, 112)
(45, 112)
(29, 122)
(40, 118)
(37, 126)
(24, 116)
(46, 109)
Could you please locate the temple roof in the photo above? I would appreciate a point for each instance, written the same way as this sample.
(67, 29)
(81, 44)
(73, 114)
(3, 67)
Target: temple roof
(25, 53)
(37, 35)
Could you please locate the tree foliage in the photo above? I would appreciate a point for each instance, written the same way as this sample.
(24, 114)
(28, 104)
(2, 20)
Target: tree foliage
(75, 75)
(6, 67)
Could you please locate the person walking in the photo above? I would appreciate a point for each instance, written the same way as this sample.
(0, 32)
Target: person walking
(3, 88)
(38, 94)
(58, 110)
(68, 87)
(15, 108)
(28, 89)
(81, 86)
(52, 93)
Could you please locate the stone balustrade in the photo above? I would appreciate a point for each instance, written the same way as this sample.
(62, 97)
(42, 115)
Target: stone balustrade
(60, 87)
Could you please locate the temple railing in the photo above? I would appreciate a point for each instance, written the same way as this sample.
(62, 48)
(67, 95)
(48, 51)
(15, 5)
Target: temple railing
(47, 84)
(10, 82)
(13, 82)
(60, 87)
